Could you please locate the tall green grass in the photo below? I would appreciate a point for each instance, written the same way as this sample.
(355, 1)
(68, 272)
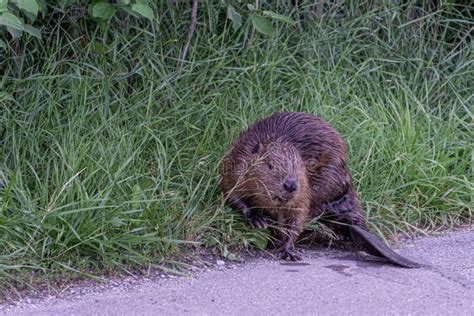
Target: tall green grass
(109, 151)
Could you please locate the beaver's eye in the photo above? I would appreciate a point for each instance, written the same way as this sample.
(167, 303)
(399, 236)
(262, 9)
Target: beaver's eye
(270, 166)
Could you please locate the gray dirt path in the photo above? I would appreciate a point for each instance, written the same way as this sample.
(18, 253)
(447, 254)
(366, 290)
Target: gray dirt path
(328, 282)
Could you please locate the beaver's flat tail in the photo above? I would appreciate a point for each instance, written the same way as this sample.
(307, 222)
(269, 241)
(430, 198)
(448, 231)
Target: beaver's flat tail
(376, 247)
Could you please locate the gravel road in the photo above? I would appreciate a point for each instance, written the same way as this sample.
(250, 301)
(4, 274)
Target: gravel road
(327, 282)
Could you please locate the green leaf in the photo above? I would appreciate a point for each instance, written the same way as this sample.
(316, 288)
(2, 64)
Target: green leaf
(43, 8)
(10, 20)
(3, 45)
(31, 6)
(3, 6)
(117, 222)
(225, 252)
(137, 196)
(234, 16)
(103, 10)
(233, 257)
(279, 17)
(251, 7)
(64, 4)
(263, 25)
(15, 33)
(30, 16)
(4, 96)
(32, 31)
(99, 48)
(144, 10)
(259, 241)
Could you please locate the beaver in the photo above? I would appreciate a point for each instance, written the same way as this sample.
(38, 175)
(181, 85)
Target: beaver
(289, 168)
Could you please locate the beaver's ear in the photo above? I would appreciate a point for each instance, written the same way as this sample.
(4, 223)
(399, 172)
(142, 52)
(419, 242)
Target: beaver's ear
(257, 148)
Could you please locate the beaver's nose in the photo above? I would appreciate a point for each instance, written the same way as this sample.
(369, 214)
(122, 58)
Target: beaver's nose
(290, 185)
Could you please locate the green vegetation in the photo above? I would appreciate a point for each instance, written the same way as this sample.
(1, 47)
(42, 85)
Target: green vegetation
(110, 149)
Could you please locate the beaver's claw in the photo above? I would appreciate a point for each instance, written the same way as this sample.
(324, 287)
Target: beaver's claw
(289, 254)
(256, 221)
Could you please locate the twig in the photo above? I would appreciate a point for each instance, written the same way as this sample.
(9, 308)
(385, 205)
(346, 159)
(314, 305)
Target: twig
(192, 28)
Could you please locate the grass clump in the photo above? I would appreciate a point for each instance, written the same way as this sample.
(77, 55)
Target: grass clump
(109, 151)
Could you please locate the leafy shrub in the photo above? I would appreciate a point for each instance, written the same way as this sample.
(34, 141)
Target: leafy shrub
(13, 14)
(17, 16)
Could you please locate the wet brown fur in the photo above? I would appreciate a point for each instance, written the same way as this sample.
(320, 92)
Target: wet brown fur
(299, 146)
